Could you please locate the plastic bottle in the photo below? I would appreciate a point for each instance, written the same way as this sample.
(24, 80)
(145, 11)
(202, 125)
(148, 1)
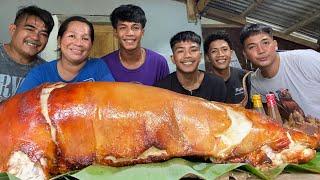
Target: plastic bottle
(273, 110)
(257, 103)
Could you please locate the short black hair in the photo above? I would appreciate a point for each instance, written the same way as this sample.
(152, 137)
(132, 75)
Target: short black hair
(130, 13)
(185, 36)
(253, 29)
(219, 35)
(43, 14)
(65, 24)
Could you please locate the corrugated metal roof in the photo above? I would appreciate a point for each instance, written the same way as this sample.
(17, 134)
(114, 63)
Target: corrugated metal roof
(290, 16)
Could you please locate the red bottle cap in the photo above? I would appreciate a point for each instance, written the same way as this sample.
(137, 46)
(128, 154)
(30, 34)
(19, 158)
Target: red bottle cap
(271, 99)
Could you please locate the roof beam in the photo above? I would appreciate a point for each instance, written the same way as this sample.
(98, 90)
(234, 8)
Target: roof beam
(191, 11)
(296, 40)
(229, 18)
(306, 21)
(223, 16)
(201, 5)
(252, 7)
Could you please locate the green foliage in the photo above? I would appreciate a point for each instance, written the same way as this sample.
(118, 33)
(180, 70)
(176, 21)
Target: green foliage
(176, 169)
(311, 166)
(6, 176)
(172, 169)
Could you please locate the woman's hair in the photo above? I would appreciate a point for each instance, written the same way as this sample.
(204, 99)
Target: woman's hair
(65, 24)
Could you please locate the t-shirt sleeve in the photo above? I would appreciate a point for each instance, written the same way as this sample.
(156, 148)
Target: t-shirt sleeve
(163, 68)
(310, 64)
(104, 71)
(32, 80)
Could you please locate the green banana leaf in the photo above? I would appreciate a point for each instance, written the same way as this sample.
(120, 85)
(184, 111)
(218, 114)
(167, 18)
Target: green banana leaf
(267, 174)
(177, 168)
(311, 166)
(5, 176)
(172, 169)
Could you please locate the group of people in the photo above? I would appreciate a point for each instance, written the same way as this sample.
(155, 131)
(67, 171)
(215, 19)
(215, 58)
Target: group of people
(22, 69)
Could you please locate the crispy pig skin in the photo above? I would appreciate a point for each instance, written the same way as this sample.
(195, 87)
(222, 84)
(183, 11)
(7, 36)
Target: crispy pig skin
(22, 127)
(117, 124)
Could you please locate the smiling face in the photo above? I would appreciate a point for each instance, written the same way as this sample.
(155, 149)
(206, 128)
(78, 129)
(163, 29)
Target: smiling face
(129, 34)
(219, 54)
(75, 43)
(260, 49)
(28, 37)
(186, 56)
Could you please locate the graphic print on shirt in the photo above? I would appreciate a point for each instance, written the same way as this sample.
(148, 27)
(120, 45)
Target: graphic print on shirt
(238, 91)
(89, 80)
(9, 85)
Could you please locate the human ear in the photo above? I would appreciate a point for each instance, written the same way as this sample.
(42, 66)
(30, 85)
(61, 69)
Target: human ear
(12, 28)
(244, 54)
(59, 43)
(172, 59)
(275, 44)
(115, 33)
(206, 57)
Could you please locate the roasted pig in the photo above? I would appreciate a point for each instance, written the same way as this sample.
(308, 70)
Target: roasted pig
(56, 128)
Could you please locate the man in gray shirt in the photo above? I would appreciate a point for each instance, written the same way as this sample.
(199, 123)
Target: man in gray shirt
(295, 70)
(29, 36)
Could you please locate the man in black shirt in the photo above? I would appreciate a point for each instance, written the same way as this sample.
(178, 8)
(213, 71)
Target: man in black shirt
(218, 50)
(188, 79)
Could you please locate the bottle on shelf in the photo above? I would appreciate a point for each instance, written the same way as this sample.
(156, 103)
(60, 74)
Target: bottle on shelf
(257, 103)
(273, 110)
